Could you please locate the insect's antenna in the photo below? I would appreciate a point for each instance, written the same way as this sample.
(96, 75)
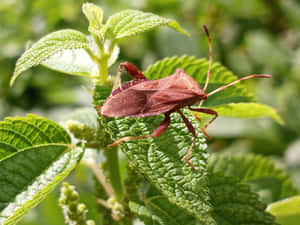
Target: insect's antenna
(210, 58)
(237, 81)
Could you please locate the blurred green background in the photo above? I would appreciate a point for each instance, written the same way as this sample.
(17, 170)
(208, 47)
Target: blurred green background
(257, 36)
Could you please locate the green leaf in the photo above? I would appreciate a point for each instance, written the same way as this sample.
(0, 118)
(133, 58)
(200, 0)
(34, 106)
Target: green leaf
(94, 14)
(161, 159)
(78, 61)
(42, 157)
(197, 68)
(48, 46)
(247, 110)
(155, 215)
(73, 62)
(132, 22)
(101, 92)
(234, 203)
(287, 211)
(269, 181)
(155, 208)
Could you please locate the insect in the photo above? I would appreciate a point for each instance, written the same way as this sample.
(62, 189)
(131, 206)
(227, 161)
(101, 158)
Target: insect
(142, 98)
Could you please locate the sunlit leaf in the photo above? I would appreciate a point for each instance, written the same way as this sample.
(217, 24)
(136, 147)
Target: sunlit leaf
(287, 211)
(94, 14)
(48, 46)
(36, 155)
(78, 61)
(132, 22)
(247, 110)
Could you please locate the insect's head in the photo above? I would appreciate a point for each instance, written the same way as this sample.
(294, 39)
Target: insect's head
(201, 96)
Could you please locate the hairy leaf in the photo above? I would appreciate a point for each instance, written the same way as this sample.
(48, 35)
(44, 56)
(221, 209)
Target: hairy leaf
(48, 46)
(155, 208)
(78, 61)
(287, 211)
(161, 159)
(94, 14)
(132, 22)
(234, 203)
(223, 101)
(155, 214)
(271, 182)
(42, 156)
(101, 92)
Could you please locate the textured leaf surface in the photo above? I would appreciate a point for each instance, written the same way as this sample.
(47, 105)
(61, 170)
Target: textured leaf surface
(234, 203)
(271, 182)
(132, 22)
(287, 211)
(156, 215)
(78, 61)
(161, 159)
(42, 156)
(48, 46)
(155, 208)
(94, 14)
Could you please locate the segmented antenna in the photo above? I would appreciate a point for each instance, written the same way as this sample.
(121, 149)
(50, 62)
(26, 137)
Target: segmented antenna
(237, 81)
(210, 58)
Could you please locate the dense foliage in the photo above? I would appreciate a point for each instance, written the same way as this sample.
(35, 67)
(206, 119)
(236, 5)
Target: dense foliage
(248, 164)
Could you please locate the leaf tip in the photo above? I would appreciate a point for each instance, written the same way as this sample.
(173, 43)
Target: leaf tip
(175, 25)
(13, 78)
(279, 120)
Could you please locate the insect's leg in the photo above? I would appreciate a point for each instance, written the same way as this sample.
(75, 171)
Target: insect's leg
(131, 70)
(197, 117)
(192, 130)
(237, 81)
(207, 111)
(157, 132)
(210, 59)
(97, 107)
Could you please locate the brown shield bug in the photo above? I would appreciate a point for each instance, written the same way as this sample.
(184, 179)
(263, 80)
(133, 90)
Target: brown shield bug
(141, 98)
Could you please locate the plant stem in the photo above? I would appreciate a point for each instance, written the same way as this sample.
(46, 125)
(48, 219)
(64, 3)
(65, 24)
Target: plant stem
(112, 163)
(103, 68)
(100, 177)
(112, 166)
